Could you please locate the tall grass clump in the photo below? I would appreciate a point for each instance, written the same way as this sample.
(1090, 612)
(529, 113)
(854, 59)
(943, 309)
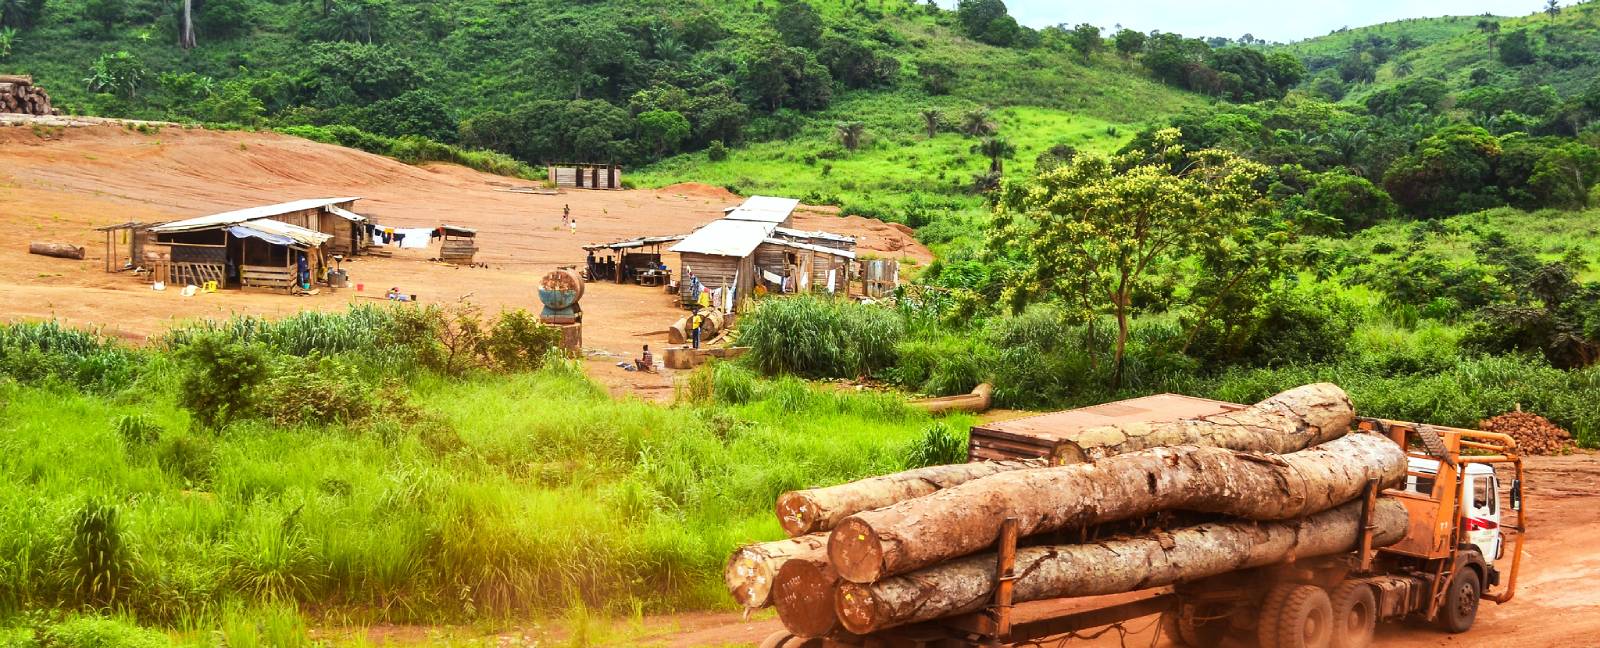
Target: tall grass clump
(39, 352)
(818, 337)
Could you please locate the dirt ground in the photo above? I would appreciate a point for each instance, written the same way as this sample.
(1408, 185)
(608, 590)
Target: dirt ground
(59, 184)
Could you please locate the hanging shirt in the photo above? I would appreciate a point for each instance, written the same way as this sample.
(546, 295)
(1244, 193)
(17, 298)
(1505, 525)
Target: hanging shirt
(413, 238)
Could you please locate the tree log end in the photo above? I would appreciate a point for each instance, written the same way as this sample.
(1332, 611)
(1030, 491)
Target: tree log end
(797, 514)
(749, 578)
(855, 551)
(856, 607)
(803, 595)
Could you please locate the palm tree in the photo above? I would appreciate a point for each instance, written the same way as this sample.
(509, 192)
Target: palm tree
(850, 133)
(997, 149)
(930, 121)
(1402, 68)
(976, 123)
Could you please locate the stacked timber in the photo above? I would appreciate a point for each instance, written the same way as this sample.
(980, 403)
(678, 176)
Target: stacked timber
(1277, 481)
(19, 95)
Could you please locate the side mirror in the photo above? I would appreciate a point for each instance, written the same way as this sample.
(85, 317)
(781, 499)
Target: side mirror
(1516, 495)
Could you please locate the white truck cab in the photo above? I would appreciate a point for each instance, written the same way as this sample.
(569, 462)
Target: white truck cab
(1480, 502)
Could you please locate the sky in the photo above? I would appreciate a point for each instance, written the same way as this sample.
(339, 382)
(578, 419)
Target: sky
(1273, 20)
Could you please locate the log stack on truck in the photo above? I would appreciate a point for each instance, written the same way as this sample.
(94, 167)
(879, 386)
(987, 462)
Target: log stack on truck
(1287, 523)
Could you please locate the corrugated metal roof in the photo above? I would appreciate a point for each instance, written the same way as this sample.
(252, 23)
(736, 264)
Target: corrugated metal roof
(826, 236)
(765, 209)
(280, 233)
(246, 215)
(820, 249)
(733, 238)
(634, 243)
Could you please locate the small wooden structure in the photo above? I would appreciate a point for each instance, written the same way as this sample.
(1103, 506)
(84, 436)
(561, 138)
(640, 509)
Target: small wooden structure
(135, 236)
(241, 248)
(790, 266)
(585, 176)
(631, 261)
(879, 277)
(721, 258)
(460, 245)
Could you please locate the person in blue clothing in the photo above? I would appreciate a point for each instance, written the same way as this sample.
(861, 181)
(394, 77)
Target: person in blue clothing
(303, 272)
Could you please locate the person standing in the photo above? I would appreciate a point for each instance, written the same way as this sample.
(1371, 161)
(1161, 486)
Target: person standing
(572, 225)
(566, 214)
(696, 321)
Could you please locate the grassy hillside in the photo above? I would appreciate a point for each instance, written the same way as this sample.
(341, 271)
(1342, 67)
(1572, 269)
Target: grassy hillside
(1418, 32)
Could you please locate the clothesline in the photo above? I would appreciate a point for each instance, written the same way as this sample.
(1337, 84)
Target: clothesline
(407, 238)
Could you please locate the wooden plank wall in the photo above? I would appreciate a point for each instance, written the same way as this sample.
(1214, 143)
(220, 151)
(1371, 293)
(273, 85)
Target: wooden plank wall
(714, 272)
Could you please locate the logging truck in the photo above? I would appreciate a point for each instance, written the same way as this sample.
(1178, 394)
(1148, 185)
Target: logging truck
(1462, 544)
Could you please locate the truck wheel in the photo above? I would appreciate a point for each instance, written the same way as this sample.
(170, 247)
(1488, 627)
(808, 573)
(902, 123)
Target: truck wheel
(1306, 619)
(1460, 602)
(779, 639)
(1355, 615)
(1271, 608)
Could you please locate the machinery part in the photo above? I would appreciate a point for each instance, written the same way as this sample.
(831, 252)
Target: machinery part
(1460, 607)
(1196, 626)
(1271, 607)
(1355, 615)
(1304, 618)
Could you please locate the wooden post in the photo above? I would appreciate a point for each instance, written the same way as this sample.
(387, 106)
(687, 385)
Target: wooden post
(1005, 576)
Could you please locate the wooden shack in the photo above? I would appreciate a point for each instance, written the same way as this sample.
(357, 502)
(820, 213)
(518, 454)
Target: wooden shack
(331, 216)
(245, 248)
(631, 261)
(879, 277)
(720, 256)
(460, 245)
(788, 266)
(585, 176)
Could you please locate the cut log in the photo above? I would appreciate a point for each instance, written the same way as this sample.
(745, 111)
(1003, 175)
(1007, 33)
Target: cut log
(803, 595)
(61, 250)
(981, 398)
(1111, 567)
(819, 509)
(1293, 420)
(752, 568)
(19, 79)
(957, 521)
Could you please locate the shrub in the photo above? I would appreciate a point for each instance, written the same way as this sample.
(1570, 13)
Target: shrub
(219, 378)
(38, 352)
(519, 342)
(938, 446)
(101, 632)
(317, 389)
(716, 151)
(820, 337)
(137, 430)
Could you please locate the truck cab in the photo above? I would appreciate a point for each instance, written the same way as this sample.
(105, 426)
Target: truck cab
(1480, 502)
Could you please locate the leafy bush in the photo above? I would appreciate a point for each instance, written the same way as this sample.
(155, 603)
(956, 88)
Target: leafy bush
(317, 389)
(137, 430)
(820, 337)
(101, 632)
(220, 376)
(716, 151)
(519, 342)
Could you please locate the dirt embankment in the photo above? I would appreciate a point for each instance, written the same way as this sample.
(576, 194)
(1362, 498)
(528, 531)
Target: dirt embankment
(58, 183)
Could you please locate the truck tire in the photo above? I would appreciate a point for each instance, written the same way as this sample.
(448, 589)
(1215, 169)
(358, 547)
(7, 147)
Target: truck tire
(1355, 615)
(1460, 607)
(1271, 608)
(1305, 620)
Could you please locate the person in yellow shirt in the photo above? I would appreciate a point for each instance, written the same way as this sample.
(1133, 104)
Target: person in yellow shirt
(696, 321)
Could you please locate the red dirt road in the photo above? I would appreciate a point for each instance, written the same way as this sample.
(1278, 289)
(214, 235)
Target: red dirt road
(58, 184)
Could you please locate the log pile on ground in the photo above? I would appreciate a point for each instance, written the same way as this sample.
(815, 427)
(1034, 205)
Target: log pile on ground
(19, 95)
(1534, 434)
(1279, 480)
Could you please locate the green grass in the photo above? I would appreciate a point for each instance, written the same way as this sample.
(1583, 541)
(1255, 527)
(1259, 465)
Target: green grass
(1424, 31)
(516, 495)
